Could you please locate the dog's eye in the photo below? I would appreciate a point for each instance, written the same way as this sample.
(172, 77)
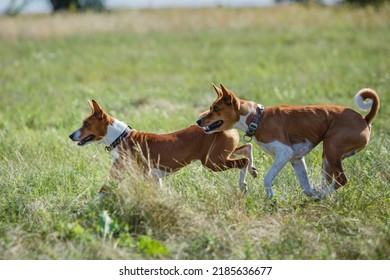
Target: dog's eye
(215, 109)
(86, 124)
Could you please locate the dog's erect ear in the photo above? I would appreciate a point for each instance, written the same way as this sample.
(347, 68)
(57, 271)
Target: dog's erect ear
(217, 90)
(97, 111)
(228, 96)
(91, 106)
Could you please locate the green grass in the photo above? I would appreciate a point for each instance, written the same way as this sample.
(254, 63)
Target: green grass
(153, 70)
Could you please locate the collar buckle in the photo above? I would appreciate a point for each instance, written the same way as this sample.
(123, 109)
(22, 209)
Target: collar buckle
(252, 127)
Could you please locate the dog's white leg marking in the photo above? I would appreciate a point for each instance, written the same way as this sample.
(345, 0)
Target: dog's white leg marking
(283, 154)
(249, 155)
(160, 184)
(279, 163)
(246, 151)
(241, 182)
(159, 174)
(328, 190)
(300, 169)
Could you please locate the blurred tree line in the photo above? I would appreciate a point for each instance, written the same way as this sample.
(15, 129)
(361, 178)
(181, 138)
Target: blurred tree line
(80, 5)
(376, 3)
(359, 3)
(16, 6)
(99, 4)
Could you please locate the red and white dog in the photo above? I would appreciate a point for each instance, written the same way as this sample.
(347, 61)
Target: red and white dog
(162, 154)
(288, 133)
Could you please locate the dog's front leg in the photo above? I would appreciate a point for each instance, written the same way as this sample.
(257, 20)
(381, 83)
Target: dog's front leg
(282, 156)
(160, 184)
(117, 171)
(159, 174)
(246, 151)
(115, 176)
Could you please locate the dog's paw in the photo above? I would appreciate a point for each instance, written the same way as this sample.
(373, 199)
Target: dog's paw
(253, 172)
(318, 195)
(273, 201)
(244, 188)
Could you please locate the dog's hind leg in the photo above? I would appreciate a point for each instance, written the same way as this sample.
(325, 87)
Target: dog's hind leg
(246, 151)
(333, 169)
(326, 173)
(300, 169)
(338, 173)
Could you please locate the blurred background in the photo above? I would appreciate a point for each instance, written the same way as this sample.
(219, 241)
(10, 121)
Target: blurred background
(13, 7)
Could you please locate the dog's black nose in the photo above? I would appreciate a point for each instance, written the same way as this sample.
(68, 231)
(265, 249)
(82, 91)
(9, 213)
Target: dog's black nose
(71, 136)
(199, 122)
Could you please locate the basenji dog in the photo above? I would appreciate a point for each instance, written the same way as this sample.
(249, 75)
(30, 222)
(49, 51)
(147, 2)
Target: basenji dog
(289, 133)
(162, 154)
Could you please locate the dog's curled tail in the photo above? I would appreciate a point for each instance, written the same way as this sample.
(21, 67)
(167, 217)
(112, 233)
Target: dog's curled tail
(365, 99)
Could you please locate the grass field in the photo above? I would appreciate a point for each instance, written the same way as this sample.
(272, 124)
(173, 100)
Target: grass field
(153, 70)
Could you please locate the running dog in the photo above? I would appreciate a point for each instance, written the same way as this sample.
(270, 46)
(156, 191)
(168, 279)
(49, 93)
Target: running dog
(162, 154)
(289, 133)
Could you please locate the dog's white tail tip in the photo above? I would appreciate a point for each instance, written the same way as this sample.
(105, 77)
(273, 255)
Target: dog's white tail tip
(360, 102)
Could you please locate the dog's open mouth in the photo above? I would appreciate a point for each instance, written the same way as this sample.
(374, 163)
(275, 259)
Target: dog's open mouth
(213, 126)
(86, 140)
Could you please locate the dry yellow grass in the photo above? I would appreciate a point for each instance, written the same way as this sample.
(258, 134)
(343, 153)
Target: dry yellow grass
(142, 21)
